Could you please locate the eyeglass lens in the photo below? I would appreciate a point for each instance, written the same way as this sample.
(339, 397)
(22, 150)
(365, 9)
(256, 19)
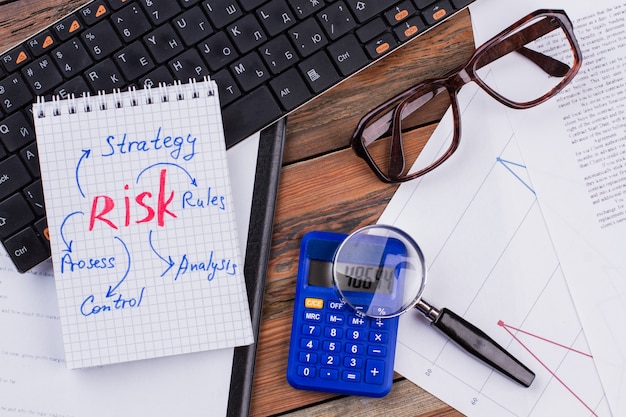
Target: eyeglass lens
(531, 61)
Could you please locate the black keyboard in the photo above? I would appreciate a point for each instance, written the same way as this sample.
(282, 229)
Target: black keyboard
(267, 57)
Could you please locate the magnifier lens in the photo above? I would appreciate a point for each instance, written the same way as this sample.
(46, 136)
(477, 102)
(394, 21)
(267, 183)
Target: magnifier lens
(379, 271)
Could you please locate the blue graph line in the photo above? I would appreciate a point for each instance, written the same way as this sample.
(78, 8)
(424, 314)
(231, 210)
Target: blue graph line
(507, 164)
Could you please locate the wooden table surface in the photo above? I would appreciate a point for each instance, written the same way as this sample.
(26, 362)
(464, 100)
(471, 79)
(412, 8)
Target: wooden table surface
(323, 186)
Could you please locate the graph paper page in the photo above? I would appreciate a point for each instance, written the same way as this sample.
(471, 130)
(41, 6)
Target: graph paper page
(490, 259)
(143, 235)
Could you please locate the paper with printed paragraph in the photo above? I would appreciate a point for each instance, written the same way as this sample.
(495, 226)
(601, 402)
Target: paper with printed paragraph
(143, 236)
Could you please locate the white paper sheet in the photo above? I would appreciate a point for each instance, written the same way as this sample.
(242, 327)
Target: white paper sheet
(35, 381)
(491, 260)
(575, 148)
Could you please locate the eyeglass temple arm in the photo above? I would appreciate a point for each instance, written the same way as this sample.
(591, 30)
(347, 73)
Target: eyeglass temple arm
(517, 42)
(477, 342)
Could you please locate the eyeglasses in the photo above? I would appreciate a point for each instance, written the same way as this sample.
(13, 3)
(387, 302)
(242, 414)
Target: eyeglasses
(534, 58)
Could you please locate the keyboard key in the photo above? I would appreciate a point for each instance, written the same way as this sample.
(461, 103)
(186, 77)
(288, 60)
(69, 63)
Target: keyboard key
(76, 86)
(228, 88)
(371, 29)
(336, 20)
(400, 12)
(34, 195)
(308, 37)
(156, 77)
(374, 371)
(249, 71)
(259, 105)
(163, 43)
(279, 54)
(218, 51)
(30, 158)
(101, 40)
(437, 12)
(14, 93)
(189, 65)
(104, 76)
(222, 12)
(409, 28)
(67, 27)
(319, 72)
(131, 22)
(15, 58)
(16, 132)
(94, 12)
(41, 43)
(134, 61)
(41, 75)
(366, 9)
(251, 4)
(380, 45)
(290, 89)
(247, 33)
(304, 8)
(276, 17)
(160, 11)
(26, 249)
(348, 55)
(193, 26)
(14, 215)
(13, 176)
(71, 58)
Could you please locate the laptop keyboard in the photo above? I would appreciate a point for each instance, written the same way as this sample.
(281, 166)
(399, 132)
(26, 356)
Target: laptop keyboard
(267, 57)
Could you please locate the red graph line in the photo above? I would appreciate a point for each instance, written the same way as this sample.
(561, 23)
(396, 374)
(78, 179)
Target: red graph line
(552, 342)
(554, 375)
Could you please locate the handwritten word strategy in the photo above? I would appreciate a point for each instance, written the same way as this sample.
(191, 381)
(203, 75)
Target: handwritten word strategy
(160, 207)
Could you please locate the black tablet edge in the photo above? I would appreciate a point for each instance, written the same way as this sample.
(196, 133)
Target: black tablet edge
(269, 162)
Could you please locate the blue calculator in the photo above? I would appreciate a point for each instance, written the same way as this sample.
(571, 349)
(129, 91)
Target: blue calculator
(332, 348)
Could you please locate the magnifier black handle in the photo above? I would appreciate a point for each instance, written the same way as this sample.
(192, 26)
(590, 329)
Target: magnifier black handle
(479, 344)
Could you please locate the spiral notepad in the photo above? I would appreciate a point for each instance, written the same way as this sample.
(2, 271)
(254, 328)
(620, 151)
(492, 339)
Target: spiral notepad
(141, 223)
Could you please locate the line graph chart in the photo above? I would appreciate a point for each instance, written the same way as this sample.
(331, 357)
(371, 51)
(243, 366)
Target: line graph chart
(490, 259)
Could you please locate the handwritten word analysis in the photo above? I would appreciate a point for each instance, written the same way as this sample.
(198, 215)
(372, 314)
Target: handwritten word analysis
(183, 146)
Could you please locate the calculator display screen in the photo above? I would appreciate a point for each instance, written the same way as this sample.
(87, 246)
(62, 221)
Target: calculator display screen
(356, 277)
(320, 273)
(366, 278)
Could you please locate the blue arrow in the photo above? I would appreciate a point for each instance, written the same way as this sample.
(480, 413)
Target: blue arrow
(85, 155)
(507, 164)
(111, 290)
(191, 179)
(68, 245)
(169, 261)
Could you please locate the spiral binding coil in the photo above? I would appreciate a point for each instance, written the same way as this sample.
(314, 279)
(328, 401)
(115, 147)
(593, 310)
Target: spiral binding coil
(133, 97)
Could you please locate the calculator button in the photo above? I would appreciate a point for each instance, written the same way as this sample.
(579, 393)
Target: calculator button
(311, 330)
(333, 332)
(310, 344)
(307, 357)
(378, 337)
(356, 334)
(333, 318)
(352, 362)
(354, 348)
(312, 316)
(351, 376)
(376, 351)
(329, 346)
(380, 324)
(317, 303)
(356, 321)
(330, 360)
(306, 371)
(336, 306)
(326, 373)
(374, 371)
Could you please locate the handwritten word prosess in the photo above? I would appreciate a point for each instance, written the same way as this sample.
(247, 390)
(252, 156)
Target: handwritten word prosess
(183, 146)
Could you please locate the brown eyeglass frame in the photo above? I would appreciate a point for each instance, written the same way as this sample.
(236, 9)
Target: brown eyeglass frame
(452, 82)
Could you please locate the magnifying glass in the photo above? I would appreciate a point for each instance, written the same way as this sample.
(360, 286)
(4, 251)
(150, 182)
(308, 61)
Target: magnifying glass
(391, 282)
